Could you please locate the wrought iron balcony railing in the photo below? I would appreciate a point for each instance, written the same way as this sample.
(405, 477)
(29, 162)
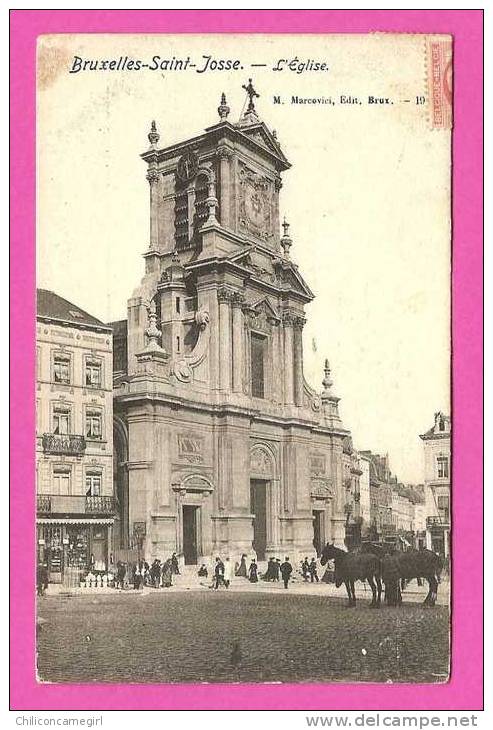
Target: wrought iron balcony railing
(43, 503)
(437, 521)
(100, 505)
(70, 444)
(75, 504)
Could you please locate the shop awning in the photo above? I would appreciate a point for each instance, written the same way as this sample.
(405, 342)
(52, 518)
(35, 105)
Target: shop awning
(74, 521)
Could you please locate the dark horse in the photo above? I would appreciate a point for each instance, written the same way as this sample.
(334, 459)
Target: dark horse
(350, 567)
(412, 564)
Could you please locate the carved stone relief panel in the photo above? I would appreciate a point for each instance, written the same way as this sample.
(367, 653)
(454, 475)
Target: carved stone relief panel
(255, 203)
(191, 448)
(317, 464)
(261, 462)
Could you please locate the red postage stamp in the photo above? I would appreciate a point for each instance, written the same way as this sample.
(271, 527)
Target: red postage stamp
(439, 76)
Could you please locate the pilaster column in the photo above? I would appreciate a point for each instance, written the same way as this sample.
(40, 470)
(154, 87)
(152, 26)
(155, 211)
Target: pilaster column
(237, 301)
(224, 155)
(299, 323)
(288, 321)
(224, 297)
(153, 179)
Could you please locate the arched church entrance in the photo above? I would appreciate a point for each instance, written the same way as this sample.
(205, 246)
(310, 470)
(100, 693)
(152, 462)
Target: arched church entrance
(120, 483)
(263, 499)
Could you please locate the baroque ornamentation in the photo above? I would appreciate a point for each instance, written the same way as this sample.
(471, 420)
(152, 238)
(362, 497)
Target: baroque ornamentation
(202, 318)
(224, 294)
(322, 489)
(255, 202)
(261, 462)
(191, 448)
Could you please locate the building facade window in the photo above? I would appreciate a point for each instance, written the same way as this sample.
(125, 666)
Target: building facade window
(62, 479)
(443, 508)
(94, 481)
(61, 368)
(442, 467)
(94, 424)
(93, 373)
(257, 364)
(61, 420)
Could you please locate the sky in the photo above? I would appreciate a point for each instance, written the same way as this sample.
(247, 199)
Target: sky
(367, 197)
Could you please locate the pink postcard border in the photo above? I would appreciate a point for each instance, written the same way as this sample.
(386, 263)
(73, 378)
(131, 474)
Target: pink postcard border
(465, 689)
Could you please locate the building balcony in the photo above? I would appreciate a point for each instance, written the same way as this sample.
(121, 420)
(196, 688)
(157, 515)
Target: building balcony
(69, 444)
(71, 504)
(436, 521)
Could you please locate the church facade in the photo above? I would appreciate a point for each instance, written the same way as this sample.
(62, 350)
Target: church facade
(221, 446)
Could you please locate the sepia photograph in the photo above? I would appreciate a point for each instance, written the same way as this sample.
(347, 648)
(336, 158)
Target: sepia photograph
(243, 358)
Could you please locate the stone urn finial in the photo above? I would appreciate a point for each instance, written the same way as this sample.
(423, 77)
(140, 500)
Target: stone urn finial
(223, 108)
(152, 331)
(327, 381)
(153, 135)
(286, 241)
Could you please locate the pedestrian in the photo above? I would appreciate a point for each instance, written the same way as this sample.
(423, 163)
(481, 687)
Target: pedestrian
(136, 577)
(286, 570)
(203, 573)
(174, 565)
(156, 573)
(228, 572)
(167, 573)
(241, 569)
(313, 571)
(218, 573)
(253, 572)
(305, 569)
(120, 575)
(277, 568)
(41, 579)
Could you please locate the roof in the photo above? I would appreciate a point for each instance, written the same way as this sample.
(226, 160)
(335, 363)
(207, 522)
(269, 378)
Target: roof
(52, 306)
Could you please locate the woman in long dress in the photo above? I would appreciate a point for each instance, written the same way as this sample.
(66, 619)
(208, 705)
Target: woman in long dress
(167, 573)
(252, 572)
(241, 570)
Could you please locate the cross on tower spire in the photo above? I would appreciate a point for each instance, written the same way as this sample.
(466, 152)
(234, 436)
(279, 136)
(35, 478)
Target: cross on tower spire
(251, 95)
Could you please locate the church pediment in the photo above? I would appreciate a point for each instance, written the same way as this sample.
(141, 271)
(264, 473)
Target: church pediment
(290, 279)
(263, 306)
(261, 134)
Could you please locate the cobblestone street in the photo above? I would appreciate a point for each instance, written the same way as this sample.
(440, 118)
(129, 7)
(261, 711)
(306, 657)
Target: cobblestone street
(238, 636)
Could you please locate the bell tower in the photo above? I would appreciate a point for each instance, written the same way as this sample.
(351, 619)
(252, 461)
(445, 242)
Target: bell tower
(230, 449)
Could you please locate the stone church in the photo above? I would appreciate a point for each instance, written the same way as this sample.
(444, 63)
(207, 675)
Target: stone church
(221, 446)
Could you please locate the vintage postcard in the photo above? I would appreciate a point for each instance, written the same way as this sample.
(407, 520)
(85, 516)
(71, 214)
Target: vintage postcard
(243, 358)
(243, 364)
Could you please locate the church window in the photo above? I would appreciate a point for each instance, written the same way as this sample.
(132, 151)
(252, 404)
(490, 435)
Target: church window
(201, 195)
(178, 305)
(257, 358)
(181, 219)
(178, 344)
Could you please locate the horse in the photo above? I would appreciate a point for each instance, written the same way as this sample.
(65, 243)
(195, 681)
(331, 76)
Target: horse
(350, 567)
(412, 564)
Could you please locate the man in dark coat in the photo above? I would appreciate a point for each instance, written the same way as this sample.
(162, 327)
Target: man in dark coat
(286, 570)
(218, 573)
(313, 570)
(42, 578)
(175, 568)
(305, 569)
(277, 567)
